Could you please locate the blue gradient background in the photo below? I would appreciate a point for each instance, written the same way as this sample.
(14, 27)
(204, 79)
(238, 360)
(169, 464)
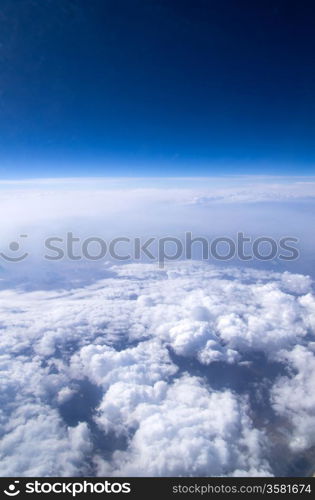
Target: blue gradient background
(149, 88)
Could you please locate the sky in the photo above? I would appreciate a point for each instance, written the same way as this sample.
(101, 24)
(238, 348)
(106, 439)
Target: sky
(149, 119)
(156, 88)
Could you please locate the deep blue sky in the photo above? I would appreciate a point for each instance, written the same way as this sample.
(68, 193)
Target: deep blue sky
(170, 87)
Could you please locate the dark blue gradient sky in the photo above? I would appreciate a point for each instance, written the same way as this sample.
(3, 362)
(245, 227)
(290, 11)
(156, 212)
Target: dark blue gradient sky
(156, 87)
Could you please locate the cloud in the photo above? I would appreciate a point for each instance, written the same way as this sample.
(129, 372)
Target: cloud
(44, 207)
(147, 363)
(182, 429)
(110, 208)
(293, 396)
(258, 192)
(149, 342)
(36, 443)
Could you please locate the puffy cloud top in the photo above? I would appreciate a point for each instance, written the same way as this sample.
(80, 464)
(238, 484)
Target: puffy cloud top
(149, 342)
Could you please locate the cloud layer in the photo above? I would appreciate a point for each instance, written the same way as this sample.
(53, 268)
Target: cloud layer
(130, 375)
